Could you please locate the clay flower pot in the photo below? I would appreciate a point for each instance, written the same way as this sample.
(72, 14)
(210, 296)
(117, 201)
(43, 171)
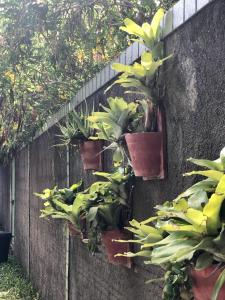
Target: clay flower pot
(112, 248)
(5, 240)
(91, 155)
(204, 281)
(146, 150)
(73, 230)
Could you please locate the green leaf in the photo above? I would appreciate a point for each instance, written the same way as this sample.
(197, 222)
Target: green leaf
(212, 208)
(212, 165)
(204, 260)
(92, 213)
(197, 199)
(213, 174)
(144, 253)
(155, 24)
(75, 186)
(207, 185)
(196, 218)
(132, 28)
(218, 285)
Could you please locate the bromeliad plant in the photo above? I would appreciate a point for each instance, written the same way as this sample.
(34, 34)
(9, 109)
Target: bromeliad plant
(104, 205)
(148, 158)
(78, 131)
(188, 233)
(62, 204)
(140, 76)
(117, 119)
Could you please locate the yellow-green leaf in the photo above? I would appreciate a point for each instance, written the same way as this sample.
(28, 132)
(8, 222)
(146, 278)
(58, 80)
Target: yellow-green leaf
(213, 174)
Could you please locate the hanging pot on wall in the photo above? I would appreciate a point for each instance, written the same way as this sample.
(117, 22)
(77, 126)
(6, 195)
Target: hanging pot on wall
(5, 240)
(147, 151)
(112, 247)
(91, 155)
(203, 282)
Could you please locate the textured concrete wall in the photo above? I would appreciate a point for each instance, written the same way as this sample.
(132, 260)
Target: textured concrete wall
(194, 85)
(47, 239)
(22, 209)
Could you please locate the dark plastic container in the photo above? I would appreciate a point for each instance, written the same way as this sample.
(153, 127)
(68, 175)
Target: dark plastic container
(5, 240)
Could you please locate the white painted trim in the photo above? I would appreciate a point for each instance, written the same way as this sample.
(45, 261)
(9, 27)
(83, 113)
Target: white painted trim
(12, 198)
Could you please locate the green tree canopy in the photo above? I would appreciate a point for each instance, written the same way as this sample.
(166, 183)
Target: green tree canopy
(48, 49)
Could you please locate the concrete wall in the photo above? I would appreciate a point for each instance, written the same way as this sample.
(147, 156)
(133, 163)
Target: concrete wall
(5, 197)
(194, 85)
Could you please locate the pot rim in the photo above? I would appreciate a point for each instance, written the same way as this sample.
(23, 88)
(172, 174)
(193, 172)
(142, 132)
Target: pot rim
(144, 133)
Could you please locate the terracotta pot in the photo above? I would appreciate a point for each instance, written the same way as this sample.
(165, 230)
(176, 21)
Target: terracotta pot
(146, 150)
(73, 230)
(91, 155)
(204, 281)
(112, 248)
(5, 240)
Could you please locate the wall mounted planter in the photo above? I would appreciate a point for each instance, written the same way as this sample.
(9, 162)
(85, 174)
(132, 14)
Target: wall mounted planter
(147, 151)
(203, 282)
(5, 240)
(91, 155)
(112, 248)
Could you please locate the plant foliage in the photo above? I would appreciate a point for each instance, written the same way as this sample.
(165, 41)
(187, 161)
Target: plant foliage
(190, 229)
(48, 49)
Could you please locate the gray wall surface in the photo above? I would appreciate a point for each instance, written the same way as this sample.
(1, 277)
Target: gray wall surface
(194, 85)
(4, 197)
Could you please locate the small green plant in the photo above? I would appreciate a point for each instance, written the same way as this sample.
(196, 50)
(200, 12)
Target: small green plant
(76, 129)
(140, 78)
(62, 204)
(147, 34)
(105, 205)
(190, 229)
(111, 125)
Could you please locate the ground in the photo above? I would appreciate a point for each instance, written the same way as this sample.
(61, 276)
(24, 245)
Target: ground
(13, 284)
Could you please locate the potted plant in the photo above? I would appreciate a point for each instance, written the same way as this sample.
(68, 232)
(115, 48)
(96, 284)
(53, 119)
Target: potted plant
(5, 240)
(106, 211)
(147, 145)
(187, 238)
(61, 204)
(77, 132)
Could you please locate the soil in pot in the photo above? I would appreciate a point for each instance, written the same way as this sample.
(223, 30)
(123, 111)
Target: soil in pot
(91, 155)
(204, 281)
(112, 248)
(5, 240)
(146, 153)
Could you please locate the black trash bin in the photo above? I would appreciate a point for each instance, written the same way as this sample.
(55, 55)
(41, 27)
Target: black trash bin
(5, 240)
